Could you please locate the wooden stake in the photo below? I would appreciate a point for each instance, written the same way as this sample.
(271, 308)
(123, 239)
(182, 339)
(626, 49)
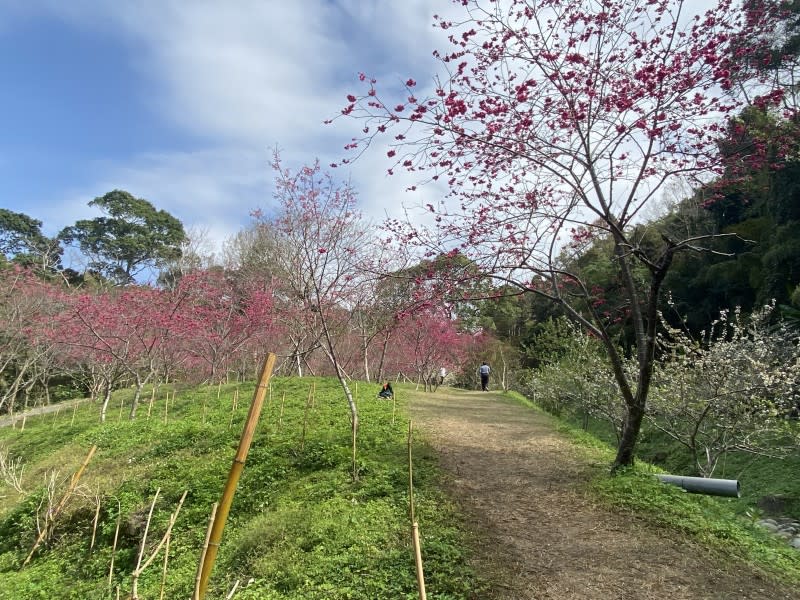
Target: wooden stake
(280, 418)
(24, 417)
(74, 410)
(166, 408)
(235, 472)
(394, 406)
(196, 594)
(73, 482)
(150, 405)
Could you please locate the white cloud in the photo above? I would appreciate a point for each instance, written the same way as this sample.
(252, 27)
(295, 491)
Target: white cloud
(242, 77)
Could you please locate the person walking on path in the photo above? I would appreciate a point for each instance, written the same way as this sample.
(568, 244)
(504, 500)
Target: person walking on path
(483, 371)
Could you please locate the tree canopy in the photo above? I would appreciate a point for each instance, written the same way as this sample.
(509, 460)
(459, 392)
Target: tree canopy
(132, 237)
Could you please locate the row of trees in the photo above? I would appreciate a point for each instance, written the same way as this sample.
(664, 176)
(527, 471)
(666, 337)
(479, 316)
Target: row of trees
(309, 283)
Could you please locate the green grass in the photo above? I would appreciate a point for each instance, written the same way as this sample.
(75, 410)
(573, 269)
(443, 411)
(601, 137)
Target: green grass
(299, 527)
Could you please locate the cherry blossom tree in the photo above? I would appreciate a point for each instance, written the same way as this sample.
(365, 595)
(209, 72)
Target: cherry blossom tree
(557, 121)
(428, 339)
(324, 244)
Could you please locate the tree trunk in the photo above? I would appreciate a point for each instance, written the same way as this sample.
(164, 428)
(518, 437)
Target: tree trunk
(384, 349)
(136, 396)
(630, 435)
(364, 349)
(106, 400)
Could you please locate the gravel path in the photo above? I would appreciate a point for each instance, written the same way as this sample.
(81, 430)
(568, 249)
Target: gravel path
(519, 482)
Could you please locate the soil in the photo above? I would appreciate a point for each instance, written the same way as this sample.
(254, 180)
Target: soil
(519, 484)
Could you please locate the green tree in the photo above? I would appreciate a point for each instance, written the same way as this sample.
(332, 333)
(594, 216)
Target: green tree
(134, 236)
(22, 241)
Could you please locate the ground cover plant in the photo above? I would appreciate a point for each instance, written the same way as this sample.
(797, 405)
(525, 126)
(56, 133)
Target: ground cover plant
(299, 527)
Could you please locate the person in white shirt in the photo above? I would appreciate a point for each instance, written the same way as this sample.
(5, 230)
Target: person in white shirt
(483, 371)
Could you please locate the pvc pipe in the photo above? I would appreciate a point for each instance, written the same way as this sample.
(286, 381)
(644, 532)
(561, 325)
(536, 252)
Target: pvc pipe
(704, 485)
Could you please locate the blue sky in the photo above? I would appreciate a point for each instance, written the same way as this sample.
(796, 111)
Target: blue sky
(181, 102)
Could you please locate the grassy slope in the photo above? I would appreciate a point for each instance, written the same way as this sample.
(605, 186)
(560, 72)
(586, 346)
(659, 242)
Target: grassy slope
(299, 527)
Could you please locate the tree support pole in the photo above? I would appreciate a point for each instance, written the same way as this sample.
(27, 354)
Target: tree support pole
(235, 472)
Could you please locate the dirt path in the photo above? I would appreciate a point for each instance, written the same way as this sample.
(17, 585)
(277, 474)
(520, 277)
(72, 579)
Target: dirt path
(519, 482)
(8, 421)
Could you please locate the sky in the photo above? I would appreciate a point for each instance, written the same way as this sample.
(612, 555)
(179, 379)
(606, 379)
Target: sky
(183, 102)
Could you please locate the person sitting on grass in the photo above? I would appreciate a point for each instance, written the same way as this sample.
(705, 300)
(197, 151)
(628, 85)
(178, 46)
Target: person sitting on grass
(386, 390)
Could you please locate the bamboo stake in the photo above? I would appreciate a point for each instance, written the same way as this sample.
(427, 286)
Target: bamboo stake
(410, 474)
(418, 561)
(394, 406)
(121, 404)
(24, 417)
(114, 545)
(166, 408)
(55, 417)
(233, 590)
(164, 570)
(204, 410)
(305, 417)
(314, 393)
(196, 594)
(356, 394)
(140, 568)
(144, 537)
(94, 524)
(236, 470)
(74, 410)
(219, 388)
(73, 482)
(150, 405)
(414, 525)
(280, 418)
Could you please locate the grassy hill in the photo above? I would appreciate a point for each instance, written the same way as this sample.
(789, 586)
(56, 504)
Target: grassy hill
(299, 526)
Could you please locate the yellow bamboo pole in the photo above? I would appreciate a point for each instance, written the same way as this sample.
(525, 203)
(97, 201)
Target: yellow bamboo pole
(414, 526)
(235, 472)
(196, 594)
(73, 482)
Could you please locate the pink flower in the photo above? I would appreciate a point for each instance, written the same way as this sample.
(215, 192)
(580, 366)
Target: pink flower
(351, 98)
(411, 83)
